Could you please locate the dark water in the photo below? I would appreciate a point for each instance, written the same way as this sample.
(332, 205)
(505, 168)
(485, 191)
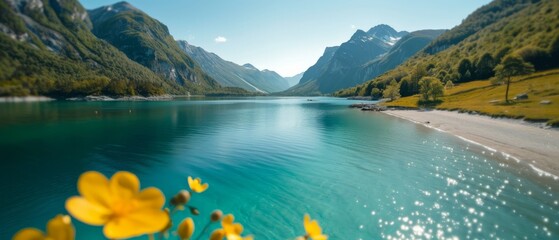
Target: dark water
(268, 161)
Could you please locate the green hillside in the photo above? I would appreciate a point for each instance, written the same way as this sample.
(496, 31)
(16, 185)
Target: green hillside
(542, 90)
(471, 50)
(148, 42)
(53, 53)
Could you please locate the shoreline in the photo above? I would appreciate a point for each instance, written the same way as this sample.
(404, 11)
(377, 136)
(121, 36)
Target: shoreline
(25, 99)
(527, 144)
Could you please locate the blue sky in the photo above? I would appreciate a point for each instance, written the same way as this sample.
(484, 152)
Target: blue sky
(288, 36)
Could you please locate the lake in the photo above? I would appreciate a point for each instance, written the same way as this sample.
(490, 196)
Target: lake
(269, 161)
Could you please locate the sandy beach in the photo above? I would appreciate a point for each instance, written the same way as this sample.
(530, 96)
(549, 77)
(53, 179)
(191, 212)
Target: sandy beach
(537, 147)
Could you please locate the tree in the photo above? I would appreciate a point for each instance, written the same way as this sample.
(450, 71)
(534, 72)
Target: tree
(538, 57)
(512, 65)
(442, 74)
(465, 70)
(392, 91)
(376, 93)
(448, 85)
(485, 66)
(405, 87)
(430, 87)
(554, 51)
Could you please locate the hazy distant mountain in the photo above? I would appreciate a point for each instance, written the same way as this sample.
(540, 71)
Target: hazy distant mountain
(307, 85)
(294, 80)
(230, 74)
(47, 48)
(148, 42)
(336, 68)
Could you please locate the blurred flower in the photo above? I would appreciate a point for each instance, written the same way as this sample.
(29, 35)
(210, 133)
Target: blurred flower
(165, 230)
(230, 230)
(218, 234)
(58, 228)
(185, 229)
(119, 205)
(196, 185)
(181, 198)
(216, 215)
(312, 228)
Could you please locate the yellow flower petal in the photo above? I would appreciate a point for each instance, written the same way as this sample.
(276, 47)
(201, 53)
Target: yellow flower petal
(60, 228)
(237, 228)
(87, 212)
(190, 181)
(203, 187)
(151, 198)
(140, 222)
(94, 186)
(218, 234)
(311, 227)
(227, 220)
(186, 228)
(237, 237)
(320, 237)
(29, 234)
(196, 185)
(124, 185)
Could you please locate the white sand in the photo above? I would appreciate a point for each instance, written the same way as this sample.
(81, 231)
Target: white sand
(537, 147)
(25, 99)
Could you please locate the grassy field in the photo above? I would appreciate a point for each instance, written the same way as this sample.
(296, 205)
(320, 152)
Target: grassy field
(484, 98)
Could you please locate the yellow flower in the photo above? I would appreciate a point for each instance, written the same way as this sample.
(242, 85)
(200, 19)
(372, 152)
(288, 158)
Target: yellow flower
(119, 205)
(313, 229)
(186, 228)
(230, 230)
(218, 234)
(58, 228)
(196, 185)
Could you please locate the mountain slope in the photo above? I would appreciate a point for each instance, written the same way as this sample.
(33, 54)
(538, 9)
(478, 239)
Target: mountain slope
(402, 50)
(148, 42)
(335, 70)
(294, 80)
(46, 48)
(527, 28)
(232, 75)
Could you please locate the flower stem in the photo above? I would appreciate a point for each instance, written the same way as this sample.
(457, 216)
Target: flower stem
(204, 230)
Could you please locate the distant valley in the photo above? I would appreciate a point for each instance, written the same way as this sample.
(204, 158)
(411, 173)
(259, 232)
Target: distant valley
(230, 74)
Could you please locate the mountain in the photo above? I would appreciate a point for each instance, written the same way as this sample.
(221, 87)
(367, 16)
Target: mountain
(294, 80)
(471, 50)
(335, 69)
(148, 42)
(47, 48)
(230, 74)
(400, 52)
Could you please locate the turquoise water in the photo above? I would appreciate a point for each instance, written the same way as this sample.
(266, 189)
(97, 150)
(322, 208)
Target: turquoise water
(363, 175)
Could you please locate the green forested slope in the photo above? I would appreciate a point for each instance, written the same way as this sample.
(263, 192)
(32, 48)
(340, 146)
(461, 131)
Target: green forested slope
(148, 42)
(46, 48)
(471, 50)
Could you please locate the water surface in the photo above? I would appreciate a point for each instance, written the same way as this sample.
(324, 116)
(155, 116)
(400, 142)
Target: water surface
(268, 161)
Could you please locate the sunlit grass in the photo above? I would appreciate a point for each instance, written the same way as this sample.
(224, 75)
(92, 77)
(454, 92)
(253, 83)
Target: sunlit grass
(484, 98)
(406, 102)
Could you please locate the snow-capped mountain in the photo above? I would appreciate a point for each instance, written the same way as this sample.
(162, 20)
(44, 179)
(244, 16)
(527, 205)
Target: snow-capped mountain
(364, 56)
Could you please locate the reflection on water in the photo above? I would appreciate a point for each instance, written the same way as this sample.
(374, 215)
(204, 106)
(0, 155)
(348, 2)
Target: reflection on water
(269, 161)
